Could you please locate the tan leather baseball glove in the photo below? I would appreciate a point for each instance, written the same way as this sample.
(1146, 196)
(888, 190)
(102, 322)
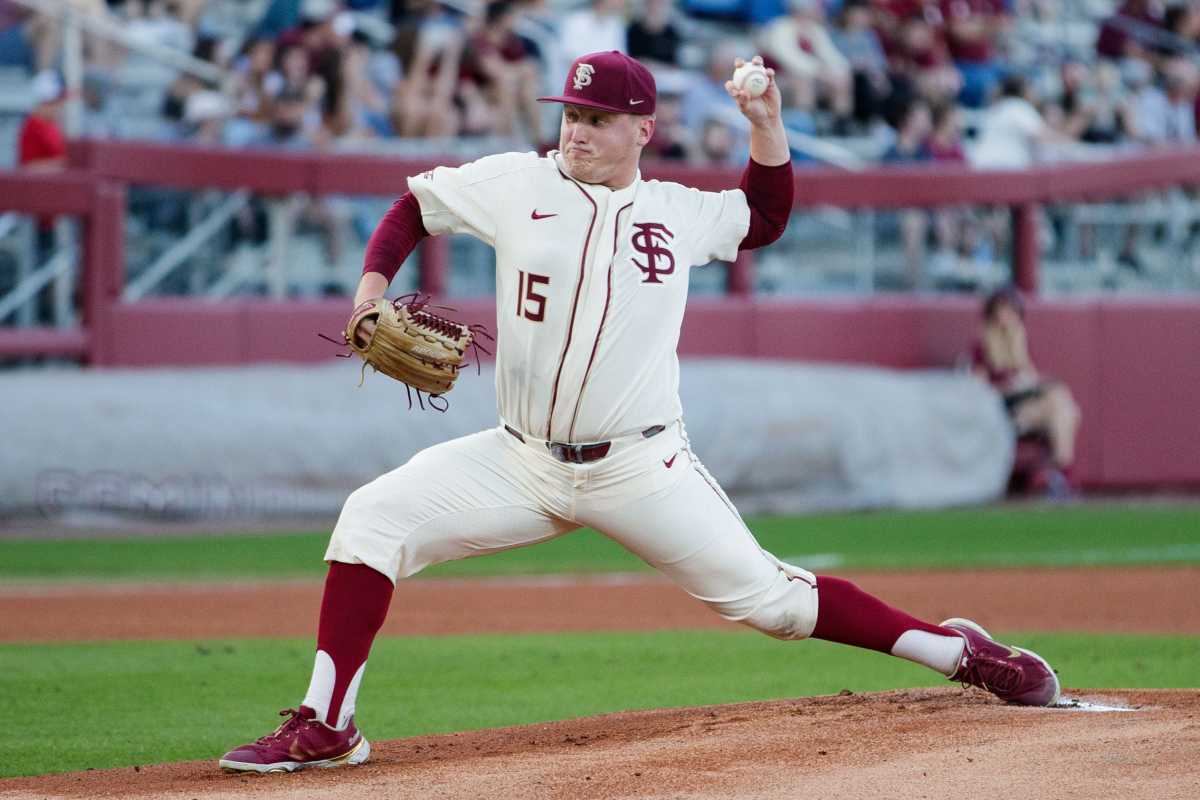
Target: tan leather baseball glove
(409, 343)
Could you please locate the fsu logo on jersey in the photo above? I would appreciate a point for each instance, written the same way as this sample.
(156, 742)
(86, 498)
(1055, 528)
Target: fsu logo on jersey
(650, 239)
(583, 76)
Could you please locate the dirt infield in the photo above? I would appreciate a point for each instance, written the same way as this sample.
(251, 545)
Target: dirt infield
(928, 743)
(1132, 600)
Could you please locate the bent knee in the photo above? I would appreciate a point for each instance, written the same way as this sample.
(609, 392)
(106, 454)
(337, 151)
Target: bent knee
(789, 610)
(367, 532)
(363, 510)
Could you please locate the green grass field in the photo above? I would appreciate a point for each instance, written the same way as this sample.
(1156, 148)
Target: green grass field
(1003, 537)
(126, 703)
(116, 704)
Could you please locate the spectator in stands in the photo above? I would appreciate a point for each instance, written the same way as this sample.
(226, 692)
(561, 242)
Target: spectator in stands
(291, 126)
(537, 25)
(707, 98)
(1092, 106)
(860, 45)
(946, 140)
(252, 99)
(323, 28)
(293, 75)
(672, 140)
(653, 37)
(719, 143)
(600, 26)
(1167, 115)
(204, 115)
(889, 17)
(174, 104)
(365, 103)
(973, 32)
(1181, 23)
(504, 73)
(429, 45)
(809, 66)
(913, 125)
(921, 54)
(158, 22)
(1012, 129)
(1035, 403)
(1132, 31)
(33, 39)
(324, 36)
(250, 71)
(41, 144)
(337, 120)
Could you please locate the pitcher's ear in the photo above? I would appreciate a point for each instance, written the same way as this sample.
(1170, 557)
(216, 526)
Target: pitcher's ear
(646, 129)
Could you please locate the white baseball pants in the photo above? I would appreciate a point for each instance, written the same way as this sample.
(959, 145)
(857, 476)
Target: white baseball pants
(489, 492)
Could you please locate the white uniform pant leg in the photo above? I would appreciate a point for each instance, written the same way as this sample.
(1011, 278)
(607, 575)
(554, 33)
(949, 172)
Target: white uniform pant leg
(692, 533)
(466, 497)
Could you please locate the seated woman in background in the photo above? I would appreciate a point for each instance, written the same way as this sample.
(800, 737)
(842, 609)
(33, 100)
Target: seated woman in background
(1035, 403)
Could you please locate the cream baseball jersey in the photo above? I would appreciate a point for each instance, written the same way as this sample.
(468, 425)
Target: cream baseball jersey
(591, 285)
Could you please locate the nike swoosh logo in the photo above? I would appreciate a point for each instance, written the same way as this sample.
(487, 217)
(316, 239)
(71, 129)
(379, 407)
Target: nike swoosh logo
(668, 464)
(536, 215)
(1013, 652)
(636, 102)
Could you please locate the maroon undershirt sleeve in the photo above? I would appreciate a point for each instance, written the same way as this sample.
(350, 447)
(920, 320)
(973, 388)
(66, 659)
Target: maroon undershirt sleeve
(395, 237)
(769, 192)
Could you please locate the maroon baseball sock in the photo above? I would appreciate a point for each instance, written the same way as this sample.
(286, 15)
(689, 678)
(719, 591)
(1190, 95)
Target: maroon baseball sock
(353, 609)
(848, 615)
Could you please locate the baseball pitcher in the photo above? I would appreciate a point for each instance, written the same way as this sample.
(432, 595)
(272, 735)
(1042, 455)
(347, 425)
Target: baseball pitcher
(592, 268)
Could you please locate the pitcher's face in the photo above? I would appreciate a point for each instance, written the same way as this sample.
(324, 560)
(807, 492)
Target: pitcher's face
(602, 146)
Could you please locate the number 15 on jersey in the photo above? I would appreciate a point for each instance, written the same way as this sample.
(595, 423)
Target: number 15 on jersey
(530, 304)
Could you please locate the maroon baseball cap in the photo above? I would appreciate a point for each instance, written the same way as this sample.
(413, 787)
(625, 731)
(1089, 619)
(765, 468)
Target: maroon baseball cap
(609, 81)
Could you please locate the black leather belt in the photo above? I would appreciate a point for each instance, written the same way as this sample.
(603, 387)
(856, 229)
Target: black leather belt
(583, 453)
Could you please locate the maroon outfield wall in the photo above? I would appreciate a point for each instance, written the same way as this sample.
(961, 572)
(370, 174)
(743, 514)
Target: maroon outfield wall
(1134, 365)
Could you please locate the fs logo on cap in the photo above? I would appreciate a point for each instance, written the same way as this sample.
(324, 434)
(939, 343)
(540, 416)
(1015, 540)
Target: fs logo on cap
(583, 76)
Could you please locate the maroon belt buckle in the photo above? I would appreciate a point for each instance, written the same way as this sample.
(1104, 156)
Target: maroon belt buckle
(578, 453)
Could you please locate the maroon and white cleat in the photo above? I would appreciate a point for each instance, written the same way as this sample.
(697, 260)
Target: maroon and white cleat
(301, 741)
(1013, 674)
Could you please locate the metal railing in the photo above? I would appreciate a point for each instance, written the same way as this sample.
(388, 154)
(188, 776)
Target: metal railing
(195, 239)
(844, 201)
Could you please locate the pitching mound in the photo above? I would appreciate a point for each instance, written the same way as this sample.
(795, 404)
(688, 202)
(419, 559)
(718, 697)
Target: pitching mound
(909, 744)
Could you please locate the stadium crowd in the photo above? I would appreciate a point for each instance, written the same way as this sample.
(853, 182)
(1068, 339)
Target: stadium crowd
(908, 76)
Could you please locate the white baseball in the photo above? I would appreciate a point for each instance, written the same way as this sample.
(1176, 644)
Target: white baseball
(751, 78)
